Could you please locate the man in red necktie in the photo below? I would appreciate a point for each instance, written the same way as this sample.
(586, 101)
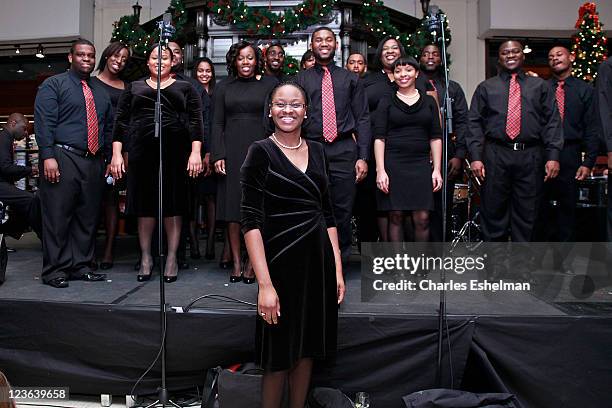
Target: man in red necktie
(514, 141)
(73, 124)
(574, 99)
(338, 110)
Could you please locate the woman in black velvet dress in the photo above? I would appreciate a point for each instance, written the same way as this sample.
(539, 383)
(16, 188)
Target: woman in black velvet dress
(408, 136)
(292, 241)
(182, 132)
(239, 105)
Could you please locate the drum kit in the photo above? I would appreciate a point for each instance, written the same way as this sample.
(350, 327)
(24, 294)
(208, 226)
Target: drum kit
(464, 217)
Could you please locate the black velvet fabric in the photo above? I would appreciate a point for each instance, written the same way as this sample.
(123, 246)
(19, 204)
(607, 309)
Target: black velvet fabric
(292, 209)
(407, 131)
(181, 124)
(239, 106)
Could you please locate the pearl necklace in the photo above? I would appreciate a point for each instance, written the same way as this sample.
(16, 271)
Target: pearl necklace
(161, 83)
(409, 99)
(285, 146)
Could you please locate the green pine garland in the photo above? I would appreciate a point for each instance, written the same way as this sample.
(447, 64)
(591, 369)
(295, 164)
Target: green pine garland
(260, 21)
(128, 31)
(589, 43)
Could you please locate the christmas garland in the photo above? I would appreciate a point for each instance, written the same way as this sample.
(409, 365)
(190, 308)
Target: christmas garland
(261, 21)
(128, 31)
(589, 46)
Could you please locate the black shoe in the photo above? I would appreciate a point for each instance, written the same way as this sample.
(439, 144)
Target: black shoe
(195, 253)
(57, 283)
(143, 278)
(235, 279)
(106, 265)
(170, 279)
(92, 277)
(226, 264)
(248, 281)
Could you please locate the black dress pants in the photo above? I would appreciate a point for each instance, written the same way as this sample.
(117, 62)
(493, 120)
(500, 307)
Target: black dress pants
(365, 207)
(341, 156)
(557, 218)
(436, 216)
(511, 192)
(70, 214)
(609, 207)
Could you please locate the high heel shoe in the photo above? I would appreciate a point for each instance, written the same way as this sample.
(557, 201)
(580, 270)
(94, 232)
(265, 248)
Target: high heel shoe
(249, 281)
(235, 279)
(194, 253)
(172, 278)
(142, 277)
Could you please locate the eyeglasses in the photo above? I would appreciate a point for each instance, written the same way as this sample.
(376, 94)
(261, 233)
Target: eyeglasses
(293, 106)
(279, 54)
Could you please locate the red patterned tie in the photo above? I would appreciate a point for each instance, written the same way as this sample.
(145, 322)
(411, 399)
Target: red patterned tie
(560, 97)
(433, 85)
(513, 119)
(330, 128)
(92, 119)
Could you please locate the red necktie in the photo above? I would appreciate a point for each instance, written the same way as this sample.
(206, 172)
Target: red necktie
(513, 119)
(560, 97)
(92, 119)
(330, 127)
(433, 85)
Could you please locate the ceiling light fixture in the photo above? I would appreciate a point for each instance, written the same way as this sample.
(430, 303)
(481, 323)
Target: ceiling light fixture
(40, 52)
(19, 69)
(17, 49)
(526, 49)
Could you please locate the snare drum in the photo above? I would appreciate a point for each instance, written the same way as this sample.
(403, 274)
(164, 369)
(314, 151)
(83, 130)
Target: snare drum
(461, 193)
(593, 192)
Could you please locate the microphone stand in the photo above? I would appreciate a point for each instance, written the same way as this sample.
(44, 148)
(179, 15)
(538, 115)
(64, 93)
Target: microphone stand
(437, 20)
(165, 32)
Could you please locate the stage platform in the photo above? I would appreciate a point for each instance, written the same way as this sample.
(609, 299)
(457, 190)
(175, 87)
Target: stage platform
(545, 346)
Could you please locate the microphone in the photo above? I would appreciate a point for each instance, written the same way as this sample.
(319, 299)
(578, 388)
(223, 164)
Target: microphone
(434, 20)
(166, 28)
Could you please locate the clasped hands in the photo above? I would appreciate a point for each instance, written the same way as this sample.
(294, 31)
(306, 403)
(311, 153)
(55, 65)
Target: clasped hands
(117, 166)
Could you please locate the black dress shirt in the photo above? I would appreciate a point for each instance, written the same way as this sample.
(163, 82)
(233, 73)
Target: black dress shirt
(579, 123)
(60, 116)
(459, 107)
(352, 114)
(9, 171)
(604, 101)
(540, 121)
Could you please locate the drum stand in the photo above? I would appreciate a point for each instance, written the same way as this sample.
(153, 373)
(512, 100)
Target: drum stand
(465, 232)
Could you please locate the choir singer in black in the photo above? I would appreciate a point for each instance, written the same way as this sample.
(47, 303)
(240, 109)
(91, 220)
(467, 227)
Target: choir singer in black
(574, 99)
(514, 140)
(339, 109)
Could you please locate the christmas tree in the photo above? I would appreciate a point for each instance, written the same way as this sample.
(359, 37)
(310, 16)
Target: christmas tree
(589, 43)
